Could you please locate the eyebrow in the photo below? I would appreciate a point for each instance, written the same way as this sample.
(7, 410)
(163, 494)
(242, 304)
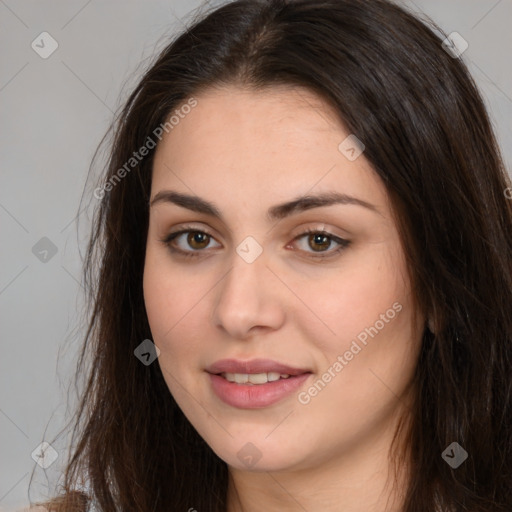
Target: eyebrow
(277, 212)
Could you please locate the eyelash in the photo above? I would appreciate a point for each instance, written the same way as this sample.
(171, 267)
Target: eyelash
(342, 243)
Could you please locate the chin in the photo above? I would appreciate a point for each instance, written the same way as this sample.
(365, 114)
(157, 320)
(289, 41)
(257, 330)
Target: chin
(246, 455)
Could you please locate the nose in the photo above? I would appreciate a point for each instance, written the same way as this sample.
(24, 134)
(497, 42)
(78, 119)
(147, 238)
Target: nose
(247, 300)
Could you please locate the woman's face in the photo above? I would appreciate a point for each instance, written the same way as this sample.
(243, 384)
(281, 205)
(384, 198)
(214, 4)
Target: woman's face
(288, 263)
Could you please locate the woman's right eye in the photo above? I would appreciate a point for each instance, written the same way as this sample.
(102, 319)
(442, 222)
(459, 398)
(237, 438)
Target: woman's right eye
(190, 242)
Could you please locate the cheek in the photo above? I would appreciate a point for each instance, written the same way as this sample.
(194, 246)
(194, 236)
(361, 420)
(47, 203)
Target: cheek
(366, 287)
(178, 304)
(168, 299)
(370, 313)
(378, 345)
(170, 295)
(165, 308)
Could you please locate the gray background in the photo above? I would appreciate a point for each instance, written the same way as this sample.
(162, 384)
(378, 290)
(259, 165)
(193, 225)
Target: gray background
(54, 112)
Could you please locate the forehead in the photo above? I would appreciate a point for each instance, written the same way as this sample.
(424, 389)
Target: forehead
(273, 142)
(240, 119)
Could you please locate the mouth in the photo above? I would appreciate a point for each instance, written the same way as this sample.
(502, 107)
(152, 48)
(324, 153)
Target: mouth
(254, 384)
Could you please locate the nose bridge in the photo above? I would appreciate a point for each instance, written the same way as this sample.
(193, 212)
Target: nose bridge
(245, 297)
(242, 278)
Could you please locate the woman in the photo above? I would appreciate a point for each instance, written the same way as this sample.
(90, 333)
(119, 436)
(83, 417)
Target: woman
(305, 276)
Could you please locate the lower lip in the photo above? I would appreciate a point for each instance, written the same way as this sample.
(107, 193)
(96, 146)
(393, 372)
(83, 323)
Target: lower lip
(256, 396)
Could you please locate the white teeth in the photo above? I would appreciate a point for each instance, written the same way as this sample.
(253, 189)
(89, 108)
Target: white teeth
(254, 378)
(241, 378)
(258, 378)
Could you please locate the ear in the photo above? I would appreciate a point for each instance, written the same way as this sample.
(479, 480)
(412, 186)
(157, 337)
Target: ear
(431, 326)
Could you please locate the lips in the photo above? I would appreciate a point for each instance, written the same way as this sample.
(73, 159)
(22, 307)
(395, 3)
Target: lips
(253, 366)
(228, 379)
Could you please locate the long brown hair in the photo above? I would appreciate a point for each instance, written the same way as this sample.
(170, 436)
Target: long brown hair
(428, 137)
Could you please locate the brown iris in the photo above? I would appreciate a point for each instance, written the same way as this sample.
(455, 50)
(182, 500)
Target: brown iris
(198, 240)
(319, 241)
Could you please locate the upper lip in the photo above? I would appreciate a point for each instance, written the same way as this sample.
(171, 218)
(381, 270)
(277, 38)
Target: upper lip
(253, 366)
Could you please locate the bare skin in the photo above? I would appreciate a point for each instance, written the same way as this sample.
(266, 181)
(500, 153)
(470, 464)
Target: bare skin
(247, 151)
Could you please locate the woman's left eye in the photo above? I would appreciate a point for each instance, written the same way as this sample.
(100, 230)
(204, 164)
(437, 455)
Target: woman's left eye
(321, 243)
